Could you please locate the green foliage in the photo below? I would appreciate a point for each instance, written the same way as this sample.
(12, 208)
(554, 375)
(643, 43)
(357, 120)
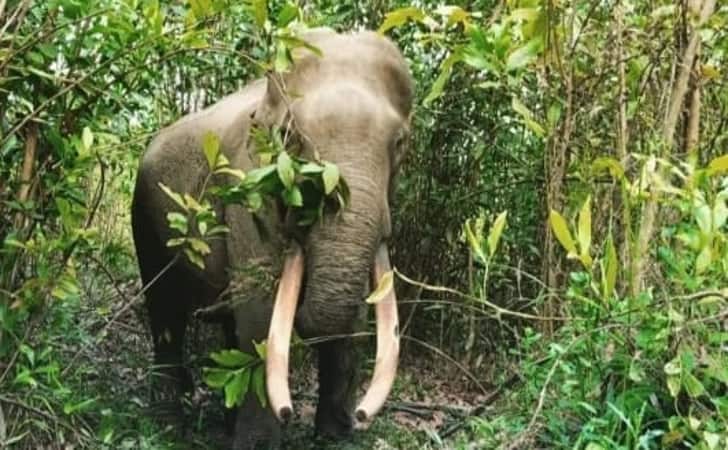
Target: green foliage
(308, 188)
(644, 372)
(239, 374)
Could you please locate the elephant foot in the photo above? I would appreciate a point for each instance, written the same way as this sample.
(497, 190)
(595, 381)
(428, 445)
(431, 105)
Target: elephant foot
(334, 423)
(255, 427)
(167, 413)
(251, 443)
(168, 388)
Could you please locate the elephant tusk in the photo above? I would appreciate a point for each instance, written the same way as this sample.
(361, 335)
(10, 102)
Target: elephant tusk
(385, 367)
(279, 335)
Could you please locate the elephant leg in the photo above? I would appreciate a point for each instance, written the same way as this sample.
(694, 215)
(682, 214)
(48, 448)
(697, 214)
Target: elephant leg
(255, 425)
(338, 376)
(168, 308)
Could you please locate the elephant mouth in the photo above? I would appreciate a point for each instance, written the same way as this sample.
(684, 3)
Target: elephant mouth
(281, 327)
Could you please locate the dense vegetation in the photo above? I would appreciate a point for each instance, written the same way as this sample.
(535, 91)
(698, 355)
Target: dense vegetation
(560, 225)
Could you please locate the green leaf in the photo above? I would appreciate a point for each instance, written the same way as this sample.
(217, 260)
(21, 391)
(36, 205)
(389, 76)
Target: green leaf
(454, 14)
(474, 239)
(282, 58)
(673, 367)
(254, 201)
(526, 14)
(693, 386)
(527, 116)
(177, 221)
(211, 147)
(330, 176)
(705, 257)
(176, 242)
(522, 56)
(70, 408)
(712, 440)
(236, 388)
(87, 138)
(258, 384)
(495, 232)
(311, 168)
(237, 173)
(232, 358)
(399, 17)
(673, 385)
(199, 246)
(293, 197)
(719, 164)
(284, 166)
(218, 229)
(704, 217)
(289, 12)
(663, 11)
(215, 377)
(384, 287)
(615, 168)
(636, 372)
(173, 195)
(259, 10)
(610, 278)
(584, 231)
(200, 8)
(255, 176)
(720, 211)
(195, 258)
(261, 348)
(193, 204)
(553, 114)
(445, 71)
(292, 42)
(561, 231)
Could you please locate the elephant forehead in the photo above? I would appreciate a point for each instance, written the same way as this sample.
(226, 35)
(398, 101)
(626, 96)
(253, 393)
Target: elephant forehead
(345, 110)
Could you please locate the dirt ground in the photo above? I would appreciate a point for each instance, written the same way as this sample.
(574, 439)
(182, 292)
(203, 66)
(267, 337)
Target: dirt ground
(431, 399)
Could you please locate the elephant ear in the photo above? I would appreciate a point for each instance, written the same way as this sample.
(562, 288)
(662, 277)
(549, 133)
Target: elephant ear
(401, 144)
(274, 105)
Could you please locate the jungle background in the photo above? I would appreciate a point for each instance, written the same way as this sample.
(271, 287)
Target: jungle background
(560, 221)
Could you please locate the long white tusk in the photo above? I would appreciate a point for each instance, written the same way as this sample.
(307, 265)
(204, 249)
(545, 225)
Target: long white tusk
(385, 368)
(279, 335)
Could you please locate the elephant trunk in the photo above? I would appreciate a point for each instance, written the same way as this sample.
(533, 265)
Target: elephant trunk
(339, 258)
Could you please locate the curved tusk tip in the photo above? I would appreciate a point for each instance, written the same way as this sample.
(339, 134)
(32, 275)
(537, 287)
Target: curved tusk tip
(285, 414)
(361, 415)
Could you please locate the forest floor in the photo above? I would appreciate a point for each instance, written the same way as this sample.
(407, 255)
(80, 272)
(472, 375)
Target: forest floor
(429, 408)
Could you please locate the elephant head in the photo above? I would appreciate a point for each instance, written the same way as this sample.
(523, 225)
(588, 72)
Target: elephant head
(350, 106)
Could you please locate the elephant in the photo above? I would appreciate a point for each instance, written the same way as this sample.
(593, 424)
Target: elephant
(349, 104)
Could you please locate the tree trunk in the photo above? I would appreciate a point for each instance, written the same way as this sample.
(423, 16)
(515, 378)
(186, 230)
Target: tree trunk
(692, 130)
(624, 238)
(650, 210)
(555, 163)
(27, 171)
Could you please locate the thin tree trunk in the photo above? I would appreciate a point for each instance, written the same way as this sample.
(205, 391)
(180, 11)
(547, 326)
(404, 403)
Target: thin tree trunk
(692, 130)
(555, 163)
(640, 256)
(26, 174)
(622, 139)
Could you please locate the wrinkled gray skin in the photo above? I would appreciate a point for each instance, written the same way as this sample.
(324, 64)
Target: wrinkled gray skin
(352, 106)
